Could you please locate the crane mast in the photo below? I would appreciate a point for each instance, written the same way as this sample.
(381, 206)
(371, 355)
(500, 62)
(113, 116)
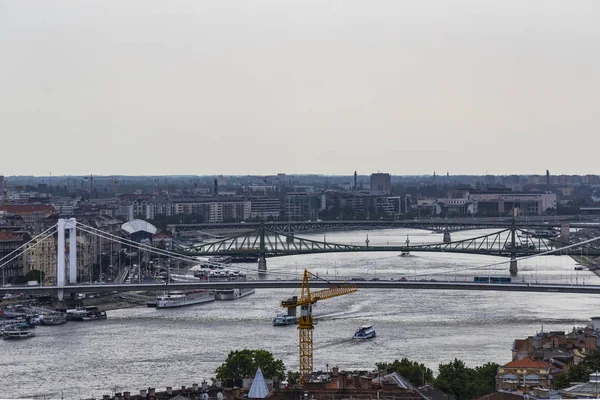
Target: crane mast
(305, 322)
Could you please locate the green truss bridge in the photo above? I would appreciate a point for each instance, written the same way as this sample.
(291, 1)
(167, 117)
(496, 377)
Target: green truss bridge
(263, 242)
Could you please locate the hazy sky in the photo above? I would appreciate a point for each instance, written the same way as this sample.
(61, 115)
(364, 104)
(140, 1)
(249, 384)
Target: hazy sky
(307, 86)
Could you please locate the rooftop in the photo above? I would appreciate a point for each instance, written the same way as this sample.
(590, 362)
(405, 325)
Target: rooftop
(526, 363)
(29, 208)
(9, 236)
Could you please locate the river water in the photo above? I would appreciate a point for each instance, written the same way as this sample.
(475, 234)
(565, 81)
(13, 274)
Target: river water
(140, 347)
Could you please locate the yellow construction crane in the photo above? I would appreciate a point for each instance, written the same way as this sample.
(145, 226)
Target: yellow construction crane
(5, 196)
(305, 322)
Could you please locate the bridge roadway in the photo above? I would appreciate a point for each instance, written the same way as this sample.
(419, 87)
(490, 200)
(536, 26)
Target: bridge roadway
(434, 224)
(293, 284)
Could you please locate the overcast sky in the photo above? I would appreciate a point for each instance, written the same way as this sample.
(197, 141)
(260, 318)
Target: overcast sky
(310, 86)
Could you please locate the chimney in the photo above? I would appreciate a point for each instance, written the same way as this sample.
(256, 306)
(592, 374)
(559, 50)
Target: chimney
(355, 176)
(169, 390)
(143, 392)
(365, 382)
(335, 371)
(183, 388)
(126, 395)
(216, 188)
(195, 387)
(151, 392)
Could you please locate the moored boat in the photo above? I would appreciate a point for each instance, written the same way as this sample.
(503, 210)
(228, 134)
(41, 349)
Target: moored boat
(15, 334)
(365, 332)
(53, 319)
(232, 294)
(283, 320)
(179, 299)
(85, 314)
(94, 315)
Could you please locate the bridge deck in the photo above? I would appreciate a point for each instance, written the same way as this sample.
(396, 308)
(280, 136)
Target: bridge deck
(288, 284)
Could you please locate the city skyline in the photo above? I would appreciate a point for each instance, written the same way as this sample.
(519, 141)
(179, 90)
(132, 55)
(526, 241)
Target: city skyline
(306, 87)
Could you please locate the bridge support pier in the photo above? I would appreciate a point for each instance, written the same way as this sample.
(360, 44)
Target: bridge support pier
(447, 238)
(565, 233)
(513, 266)
(262, 264)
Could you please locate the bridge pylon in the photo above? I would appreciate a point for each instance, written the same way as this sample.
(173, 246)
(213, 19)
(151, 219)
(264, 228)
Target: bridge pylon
(61, 267)
(262, 256)
(513, 269)
(447, 237)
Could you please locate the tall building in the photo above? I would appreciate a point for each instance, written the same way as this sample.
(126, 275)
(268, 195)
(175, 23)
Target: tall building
(9, 242)
(301, 206)
(41, 256)
(381, 184)
(265, 208)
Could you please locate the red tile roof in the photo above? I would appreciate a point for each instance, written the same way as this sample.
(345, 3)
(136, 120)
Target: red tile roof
(9, 236)
(29, 209)
(527, 363)
(162, 235)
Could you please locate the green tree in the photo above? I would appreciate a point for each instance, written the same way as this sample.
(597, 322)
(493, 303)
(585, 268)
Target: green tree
(579, 372)
(484, 378)
(242, 364)
(293, 377)
(466, 383)
(34, 275)
(416, 373)
(456, 378)
(576, 373)
(592, 361)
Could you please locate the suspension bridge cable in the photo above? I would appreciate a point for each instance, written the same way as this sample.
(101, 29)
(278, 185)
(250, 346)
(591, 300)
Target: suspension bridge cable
(140, 246)
(25, 250)
(112, 237)
(167, 253)
(20, 247)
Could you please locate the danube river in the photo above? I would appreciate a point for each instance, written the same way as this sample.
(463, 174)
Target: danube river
(141, 347)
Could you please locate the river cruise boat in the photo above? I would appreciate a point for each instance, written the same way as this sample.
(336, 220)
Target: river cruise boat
(365, 332)
(174, 299)
(94, 315)
(16, 334)
(544, 233)
(232, 294)
(283, 320)
(53, 319)
(90, 313)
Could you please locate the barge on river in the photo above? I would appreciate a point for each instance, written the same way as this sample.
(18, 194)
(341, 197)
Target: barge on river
(174, 299)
